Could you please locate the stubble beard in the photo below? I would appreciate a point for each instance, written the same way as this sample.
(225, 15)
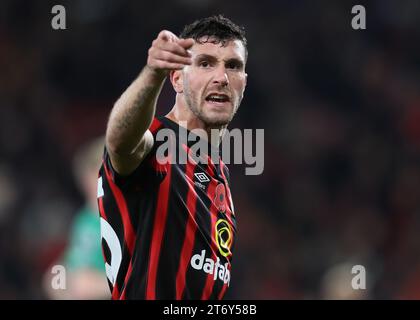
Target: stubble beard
(193, 104)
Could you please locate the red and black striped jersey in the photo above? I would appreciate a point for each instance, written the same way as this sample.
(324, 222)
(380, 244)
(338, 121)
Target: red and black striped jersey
(168, 229)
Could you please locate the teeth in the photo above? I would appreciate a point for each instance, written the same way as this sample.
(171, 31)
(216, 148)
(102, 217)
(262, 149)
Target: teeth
(218, 98)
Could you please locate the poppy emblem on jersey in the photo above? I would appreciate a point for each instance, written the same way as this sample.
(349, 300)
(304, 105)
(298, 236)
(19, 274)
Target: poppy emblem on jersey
(220, 198)
(223, 237)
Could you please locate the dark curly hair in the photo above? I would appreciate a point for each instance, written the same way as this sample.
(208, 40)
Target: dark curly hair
(218, 27)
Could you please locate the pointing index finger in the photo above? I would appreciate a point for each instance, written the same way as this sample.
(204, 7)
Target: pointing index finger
(166, 35)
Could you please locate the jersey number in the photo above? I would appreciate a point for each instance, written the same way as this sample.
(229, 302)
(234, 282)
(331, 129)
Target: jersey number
(111, 239)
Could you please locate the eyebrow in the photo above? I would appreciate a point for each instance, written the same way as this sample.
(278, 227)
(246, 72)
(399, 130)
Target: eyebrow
(213, 58)
(206, 56)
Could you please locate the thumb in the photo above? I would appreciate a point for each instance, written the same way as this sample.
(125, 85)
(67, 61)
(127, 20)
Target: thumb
(186, 43)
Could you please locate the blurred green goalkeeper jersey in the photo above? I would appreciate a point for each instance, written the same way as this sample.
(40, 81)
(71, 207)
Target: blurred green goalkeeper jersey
(84, 249)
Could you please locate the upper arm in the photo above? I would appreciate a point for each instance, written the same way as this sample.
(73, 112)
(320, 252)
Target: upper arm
(126, 164)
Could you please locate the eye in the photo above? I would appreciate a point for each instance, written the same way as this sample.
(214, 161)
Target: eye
(204, 64)
(233, 65)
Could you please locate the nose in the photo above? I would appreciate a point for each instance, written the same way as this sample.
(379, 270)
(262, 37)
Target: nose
(220, 76)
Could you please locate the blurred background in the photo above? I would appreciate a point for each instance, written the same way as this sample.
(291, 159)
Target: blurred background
(340, 109)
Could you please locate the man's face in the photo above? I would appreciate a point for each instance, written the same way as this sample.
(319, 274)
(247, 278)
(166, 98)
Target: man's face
(214, 84)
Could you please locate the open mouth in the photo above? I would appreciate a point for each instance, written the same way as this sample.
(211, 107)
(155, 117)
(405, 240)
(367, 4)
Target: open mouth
(217, 98)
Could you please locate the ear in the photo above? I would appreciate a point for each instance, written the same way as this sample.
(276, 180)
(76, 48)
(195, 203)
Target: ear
(246, 78)
(176, 77)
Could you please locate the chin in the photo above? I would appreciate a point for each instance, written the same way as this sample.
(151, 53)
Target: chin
(217, 120)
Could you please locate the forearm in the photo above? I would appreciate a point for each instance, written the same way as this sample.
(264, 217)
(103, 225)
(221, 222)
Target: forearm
(133, 112)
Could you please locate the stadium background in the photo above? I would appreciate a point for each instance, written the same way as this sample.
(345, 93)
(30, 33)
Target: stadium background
(340, 109)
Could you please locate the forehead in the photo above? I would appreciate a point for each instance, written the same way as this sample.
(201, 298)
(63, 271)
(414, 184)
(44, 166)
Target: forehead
(229, 49)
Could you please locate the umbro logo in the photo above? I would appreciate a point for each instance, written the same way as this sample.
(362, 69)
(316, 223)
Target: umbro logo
(202, 177)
